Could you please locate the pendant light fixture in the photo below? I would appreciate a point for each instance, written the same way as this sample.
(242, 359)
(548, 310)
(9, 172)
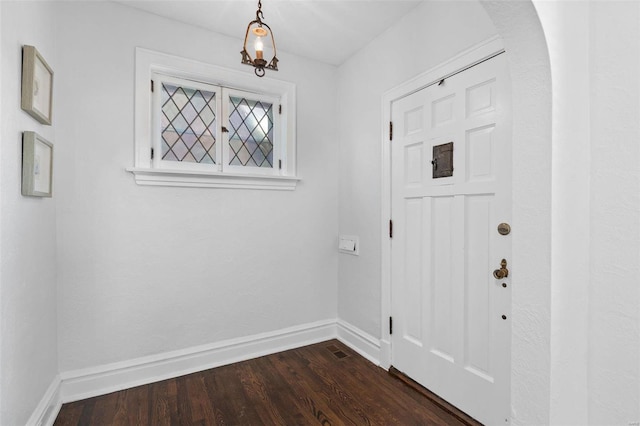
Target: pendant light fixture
(262, 44)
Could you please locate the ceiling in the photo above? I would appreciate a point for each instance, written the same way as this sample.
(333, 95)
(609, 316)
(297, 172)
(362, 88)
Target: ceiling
(326, 30)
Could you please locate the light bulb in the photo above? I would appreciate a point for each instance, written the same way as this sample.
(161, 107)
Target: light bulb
(259, 46)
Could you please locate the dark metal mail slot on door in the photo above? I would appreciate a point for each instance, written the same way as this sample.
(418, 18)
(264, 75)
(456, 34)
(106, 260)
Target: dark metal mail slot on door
(442, 160)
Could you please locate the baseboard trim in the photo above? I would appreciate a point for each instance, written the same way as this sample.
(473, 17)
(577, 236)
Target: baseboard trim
(49, 406)
(87, 383)
(358, 340)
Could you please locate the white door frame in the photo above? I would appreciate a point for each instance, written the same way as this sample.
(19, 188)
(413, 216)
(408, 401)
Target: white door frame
(472, 56)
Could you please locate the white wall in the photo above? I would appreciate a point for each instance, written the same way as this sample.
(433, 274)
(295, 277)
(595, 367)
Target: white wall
(527, 55)
(1, 297)
(614, 289)
(28, 351)
(145, 270)
(595, 351)
(569, 57)
(412, 46)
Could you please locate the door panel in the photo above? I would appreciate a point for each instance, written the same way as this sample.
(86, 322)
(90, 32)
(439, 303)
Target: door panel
(480, 154)
(447, 306)
(478, 308)
(413, 261)
(441, 277)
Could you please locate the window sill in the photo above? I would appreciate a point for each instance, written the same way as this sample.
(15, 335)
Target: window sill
(198, 179)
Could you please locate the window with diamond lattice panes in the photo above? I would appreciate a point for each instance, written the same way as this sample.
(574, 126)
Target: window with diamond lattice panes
(252, 132)
(211, 128)
(188, 124)
(201, 125)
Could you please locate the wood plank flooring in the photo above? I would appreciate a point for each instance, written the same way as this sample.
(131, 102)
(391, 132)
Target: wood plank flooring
(322, 384)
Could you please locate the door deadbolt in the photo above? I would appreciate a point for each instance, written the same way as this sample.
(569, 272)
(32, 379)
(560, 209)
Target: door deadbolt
(504, 229)
(503, 272)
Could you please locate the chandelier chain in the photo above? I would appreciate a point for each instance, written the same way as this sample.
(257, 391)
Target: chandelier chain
(259, 14)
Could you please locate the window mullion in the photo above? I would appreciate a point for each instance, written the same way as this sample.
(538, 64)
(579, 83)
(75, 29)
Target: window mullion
(224, 122)
(278, 157)
(156, 133)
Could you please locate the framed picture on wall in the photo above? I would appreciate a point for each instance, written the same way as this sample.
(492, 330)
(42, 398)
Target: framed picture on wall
(37, 165)
(37, 85)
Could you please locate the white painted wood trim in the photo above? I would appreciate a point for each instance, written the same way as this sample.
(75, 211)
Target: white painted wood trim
(475, 54)
(199, 179)
(385, 354)
(148, 62)
(90, 382)
(49, 406)
(478, 53)
(358, 340)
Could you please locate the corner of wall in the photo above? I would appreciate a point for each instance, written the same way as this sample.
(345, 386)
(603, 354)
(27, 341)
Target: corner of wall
(523, 36)
(49, 406)
(569, 61)
(28, 343)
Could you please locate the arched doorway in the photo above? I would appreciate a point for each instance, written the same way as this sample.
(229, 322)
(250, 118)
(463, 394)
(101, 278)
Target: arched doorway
(524, 41)
(521, 32)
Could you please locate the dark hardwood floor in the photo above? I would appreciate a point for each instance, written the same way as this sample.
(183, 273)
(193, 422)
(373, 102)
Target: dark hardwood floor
(322, 384)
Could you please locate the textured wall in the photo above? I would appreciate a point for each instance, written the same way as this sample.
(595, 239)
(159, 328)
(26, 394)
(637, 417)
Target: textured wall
(519, 26)
(566, 26)
(595, 346)
(614, 292)
(145, 270)
(28, 345)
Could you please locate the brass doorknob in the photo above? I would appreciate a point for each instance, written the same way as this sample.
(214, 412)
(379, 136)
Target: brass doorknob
(503, 272)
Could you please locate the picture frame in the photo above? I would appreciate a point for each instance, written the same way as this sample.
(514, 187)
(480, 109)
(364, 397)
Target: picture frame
(37, 85)
(37, 165)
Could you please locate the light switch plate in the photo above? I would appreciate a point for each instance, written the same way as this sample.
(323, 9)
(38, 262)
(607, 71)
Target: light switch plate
(349, 244)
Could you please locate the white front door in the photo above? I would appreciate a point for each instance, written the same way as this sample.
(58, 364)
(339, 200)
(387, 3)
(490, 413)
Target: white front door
(451, 316)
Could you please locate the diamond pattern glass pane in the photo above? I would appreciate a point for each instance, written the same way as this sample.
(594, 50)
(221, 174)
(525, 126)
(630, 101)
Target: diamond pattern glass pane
(188, 124)
(251, 132)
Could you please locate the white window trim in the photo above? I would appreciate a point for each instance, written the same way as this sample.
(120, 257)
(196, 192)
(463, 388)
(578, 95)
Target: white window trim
(149, 62)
